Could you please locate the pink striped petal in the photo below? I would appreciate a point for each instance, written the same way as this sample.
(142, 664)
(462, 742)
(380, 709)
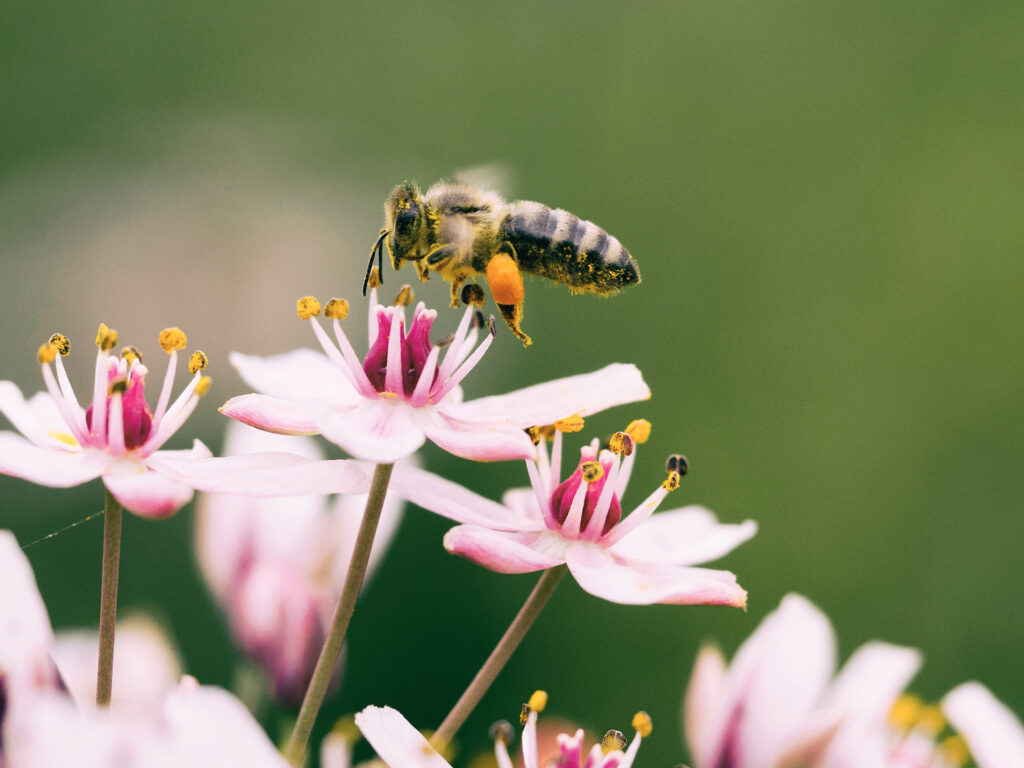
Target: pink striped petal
(274, 415)
(302, 375)
(144, 491)
(506, 552)
(993, 732)
(376, 430)
(632, 583)
(683, 537)
(47, 466)
(585, 394)
(396, 742)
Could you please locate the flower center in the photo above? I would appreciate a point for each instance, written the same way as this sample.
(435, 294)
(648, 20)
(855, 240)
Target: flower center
(414, 349)
(595, 474)
(138, 419)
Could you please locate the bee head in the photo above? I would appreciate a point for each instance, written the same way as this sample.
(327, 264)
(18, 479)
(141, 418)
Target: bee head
(406, 219)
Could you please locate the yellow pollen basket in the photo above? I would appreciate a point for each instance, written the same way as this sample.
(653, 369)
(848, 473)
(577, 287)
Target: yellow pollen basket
(106, 338)
(639, 430)
(592, 471)
(336, 309)
(307, 307)
(572, 423)
(172, 339)
(205, 382)
(538, 701)
(62, 342)
(197, 362)
(47, 353)
(642, 723)
(612, 741)
(621, 444)
(405, 296)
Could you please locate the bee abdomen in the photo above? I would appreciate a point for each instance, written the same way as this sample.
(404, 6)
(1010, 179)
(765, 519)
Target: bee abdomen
(561, 246)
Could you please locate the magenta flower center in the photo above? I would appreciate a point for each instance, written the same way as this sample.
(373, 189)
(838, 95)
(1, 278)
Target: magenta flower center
(561, 499)
(414, 348)
(138, 419)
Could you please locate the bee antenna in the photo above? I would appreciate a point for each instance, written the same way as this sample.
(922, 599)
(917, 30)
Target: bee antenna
(378, 251)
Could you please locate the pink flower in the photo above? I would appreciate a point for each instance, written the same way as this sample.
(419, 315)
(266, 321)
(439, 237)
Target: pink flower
(778, 706)
(636, 559)
(382, 408)
(277, 566)
(400, 745)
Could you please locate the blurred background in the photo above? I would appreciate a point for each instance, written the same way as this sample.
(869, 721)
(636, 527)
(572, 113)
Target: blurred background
(824, 200)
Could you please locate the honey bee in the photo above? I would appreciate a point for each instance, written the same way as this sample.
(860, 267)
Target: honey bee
(460, 231)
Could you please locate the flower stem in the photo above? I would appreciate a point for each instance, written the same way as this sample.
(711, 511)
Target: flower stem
(499, 657)
(295, 752)
(112, 518)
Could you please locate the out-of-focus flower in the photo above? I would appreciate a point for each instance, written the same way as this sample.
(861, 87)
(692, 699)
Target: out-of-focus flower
(993, 733)
(636, 559)
(400, 745)
(42, 727)
(777, 705)
(383, 407)
(277, 565)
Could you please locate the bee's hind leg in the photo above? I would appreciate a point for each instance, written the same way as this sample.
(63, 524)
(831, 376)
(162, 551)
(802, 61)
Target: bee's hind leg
(512, 314)
(505, 280)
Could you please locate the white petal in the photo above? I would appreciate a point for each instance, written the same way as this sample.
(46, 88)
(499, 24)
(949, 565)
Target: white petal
(633, 583)
(584, 394)
(302, 375)
(51, 467)
(872, 679)
(506, 552)
(443, 497)
(683, 537)
(382, 431)
(144, 491)
(241, 439)
(993, 732)
(703, 701)
(395, 740)
(471, 441)
(285, 417)
(25, 415)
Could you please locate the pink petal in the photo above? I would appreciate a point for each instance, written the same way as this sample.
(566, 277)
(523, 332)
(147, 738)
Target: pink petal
(473, 441)
(240, 439)
(382, 431)
(631, 583)
(47, 466)
(395, 740)
(25, 418)
(506, 552)
(585, 394)
(703, 700)
(274, 415)
(683, 537)
(993, 732)
(443, 497)
(264, 474)
(144, 491)
(872, 679)
(302, 375)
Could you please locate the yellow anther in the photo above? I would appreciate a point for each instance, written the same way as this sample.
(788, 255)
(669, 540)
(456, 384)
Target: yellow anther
(955, 749)
(639, 430)
(308, 307)
(346, 728)
(197, 362)
(905, 711)
(336, 309)
(172, 339)
(642, 723)
(671, 482)
(524, 714)
(572, 423)
(106, 338)
(538, 701)
(205, 382)
(374, 281)
(119, 386)
(501, 731)
(678, 463)
(612, 741)
(405, 296)
(47, 353)
(591, 471)
(131, 354)
(621, 444)
(473, 294)
(62, 342)
(931, 720)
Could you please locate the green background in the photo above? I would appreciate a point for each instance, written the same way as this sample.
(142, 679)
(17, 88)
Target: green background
(824, 199)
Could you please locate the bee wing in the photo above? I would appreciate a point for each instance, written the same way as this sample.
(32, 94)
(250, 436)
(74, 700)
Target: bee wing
(495, 176)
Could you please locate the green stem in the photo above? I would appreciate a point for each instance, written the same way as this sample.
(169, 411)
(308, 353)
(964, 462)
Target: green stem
(112, 518)
(499, 657)
(295, 752)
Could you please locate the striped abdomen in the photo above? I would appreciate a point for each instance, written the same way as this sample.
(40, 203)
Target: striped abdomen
(563, 247)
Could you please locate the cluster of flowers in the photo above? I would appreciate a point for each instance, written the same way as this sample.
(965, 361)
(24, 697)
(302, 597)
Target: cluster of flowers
(286, 565)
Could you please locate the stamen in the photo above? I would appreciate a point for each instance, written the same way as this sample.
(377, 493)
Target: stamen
(904, 711)
(205, 382)
(612, 741)
(595, 527)
(47, 352)
(538, 701)
(131, 354)
(393, 380)
(115, 432)
(106, 338)
(473, 294)
(571, 526)
(542, 496)
(421, 393)
(464, 369)
(451, 357)
(677, 463)
(74, 411)
(307, 307)
(637, 516)
(572, 423)
(524, 714)
(592, 471)
(351, 366)
(98, 426)
(336, 309)
(70, 413)
(118, 387)
(671, 482)
(639, 430)
(172, 365)
(556, 461)
(955, 750)
(172, 338)
(197, 362)
(642, 724)
(62, 342)
(501, 730)
(374, 281)
(405, 296)
(535, 434)
(621, 444)
(931, 720)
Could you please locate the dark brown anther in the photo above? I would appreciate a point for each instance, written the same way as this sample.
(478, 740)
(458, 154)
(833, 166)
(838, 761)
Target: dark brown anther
(501, 730)
(677, 463)
(473, 294)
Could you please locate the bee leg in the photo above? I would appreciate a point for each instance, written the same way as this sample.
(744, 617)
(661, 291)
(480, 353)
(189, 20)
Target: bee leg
(422, 270)
(439, 254)
(512, 314)
(457, 282)
(506, 283)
